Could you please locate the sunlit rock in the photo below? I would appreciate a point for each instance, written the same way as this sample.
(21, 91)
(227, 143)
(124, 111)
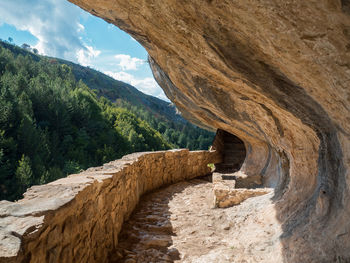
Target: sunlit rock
(275, 74)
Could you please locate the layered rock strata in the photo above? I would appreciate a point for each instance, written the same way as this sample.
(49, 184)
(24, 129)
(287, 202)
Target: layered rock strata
(78, 218)
(274, 73)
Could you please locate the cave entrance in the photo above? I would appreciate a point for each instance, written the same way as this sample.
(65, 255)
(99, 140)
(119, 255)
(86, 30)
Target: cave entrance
(232, 149)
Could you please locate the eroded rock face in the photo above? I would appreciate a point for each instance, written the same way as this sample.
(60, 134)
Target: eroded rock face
(78, 218)
(274, 73)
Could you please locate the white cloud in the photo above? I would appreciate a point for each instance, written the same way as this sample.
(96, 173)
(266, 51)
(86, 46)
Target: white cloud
(122, 76)
(146, 85)
(85, 55)
(55, 23)
(80, 27)
(126, 62)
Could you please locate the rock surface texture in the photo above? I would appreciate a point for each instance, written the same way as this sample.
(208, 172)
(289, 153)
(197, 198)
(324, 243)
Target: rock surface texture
(78, 218)
(233, 189)
(178, 224)
(277, 75)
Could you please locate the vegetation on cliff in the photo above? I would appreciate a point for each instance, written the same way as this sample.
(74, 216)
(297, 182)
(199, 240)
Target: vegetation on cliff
(52, 125)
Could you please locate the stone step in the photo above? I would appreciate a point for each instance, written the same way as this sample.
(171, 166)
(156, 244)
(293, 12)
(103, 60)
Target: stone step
(241, 180)
(225, 196)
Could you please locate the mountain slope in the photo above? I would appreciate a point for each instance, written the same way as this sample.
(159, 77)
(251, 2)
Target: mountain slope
(52, 124)
(108, 87)
(161, 115)
(115, 89)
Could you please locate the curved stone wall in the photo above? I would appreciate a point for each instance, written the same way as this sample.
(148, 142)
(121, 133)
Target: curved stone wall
(78, 218)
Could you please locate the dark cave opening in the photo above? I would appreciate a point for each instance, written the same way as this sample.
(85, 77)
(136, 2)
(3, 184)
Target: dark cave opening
(232, 149)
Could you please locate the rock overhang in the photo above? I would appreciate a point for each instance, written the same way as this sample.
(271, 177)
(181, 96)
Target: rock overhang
(274, 73)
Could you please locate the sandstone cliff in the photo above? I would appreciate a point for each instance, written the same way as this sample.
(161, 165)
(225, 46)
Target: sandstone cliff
(277, 75)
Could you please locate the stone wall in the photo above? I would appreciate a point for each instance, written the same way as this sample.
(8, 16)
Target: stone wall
(78, 218)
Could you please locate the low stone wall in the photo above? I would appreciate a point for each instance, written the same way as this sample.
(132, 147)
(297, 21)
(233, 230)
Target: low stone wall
(78, 218)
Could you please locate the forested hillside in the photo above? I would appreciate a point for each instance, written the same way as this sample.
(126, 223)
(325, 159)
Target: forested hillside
(113, 90)
(161, 115)
(52, 125)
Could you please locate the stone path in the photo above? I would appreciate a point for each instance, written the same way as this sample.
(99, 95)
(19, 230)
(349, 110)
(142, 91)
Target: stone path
(179, 224)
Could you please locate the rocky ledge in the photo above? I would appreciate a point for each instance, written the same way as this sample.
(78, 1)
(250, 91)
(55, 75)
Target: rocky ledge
(78, 218)
(233, 189)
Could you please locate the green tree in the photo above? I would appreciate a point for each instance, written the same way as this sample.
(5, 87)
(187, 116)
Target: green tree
(71, 167)
(24, 172)
(53, 125)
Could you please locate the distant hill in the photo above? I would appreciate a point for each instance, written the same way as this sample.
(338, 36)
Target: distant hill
(115, 89)
(110, 88)
(161, 115)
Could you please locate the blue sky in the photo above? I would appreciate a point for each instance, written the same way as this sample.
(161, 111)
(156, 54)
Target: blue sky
(60, 29)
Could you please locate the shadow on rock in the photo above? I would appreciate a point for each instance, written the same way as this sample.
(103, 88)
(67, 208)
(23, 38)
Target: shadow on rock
(146, 236)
